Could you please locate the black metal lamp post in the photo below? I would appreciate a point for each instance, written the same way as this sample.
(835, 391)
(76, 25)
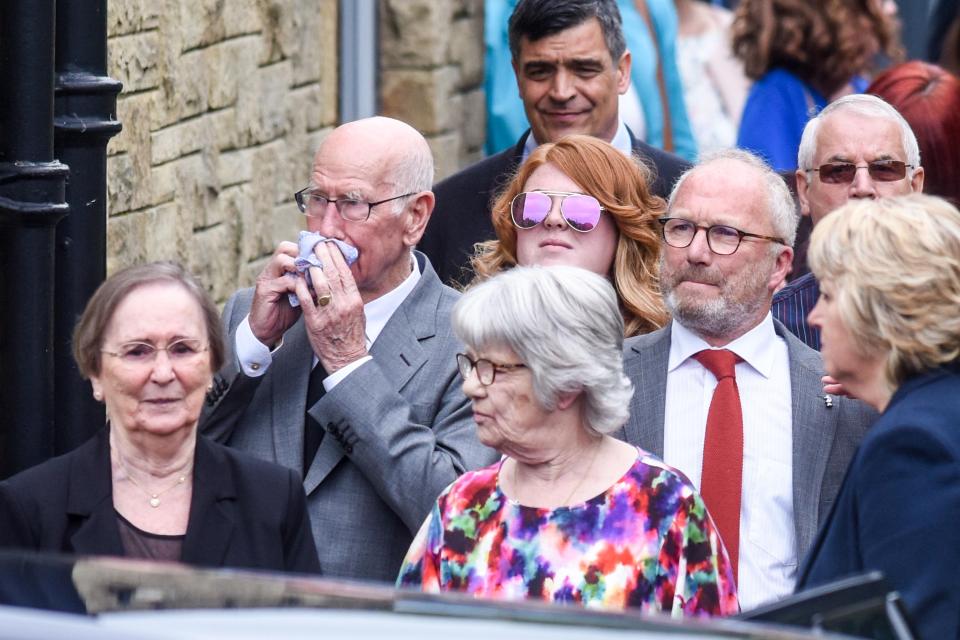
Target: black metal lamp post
(84, 121)
(31, 204)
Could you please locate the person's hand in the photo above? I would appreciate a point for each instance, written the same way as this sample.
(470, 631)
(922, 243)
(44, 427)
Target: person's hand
(336, 326)
(270, 312)
(831, 386)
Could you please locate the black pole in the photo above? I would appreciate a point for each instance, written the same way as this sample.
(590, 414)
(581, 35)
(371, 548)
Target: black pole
(85, 120)
(31, 204)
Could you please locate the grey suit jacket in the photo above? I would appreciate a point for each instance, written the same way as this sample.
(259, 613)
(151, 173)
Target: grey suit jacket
(824, 438)
(398, 429)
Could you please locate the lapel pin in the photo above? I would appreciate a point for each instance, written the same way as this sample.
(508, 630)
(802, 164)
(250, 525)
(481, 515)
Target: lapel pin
(827, 401)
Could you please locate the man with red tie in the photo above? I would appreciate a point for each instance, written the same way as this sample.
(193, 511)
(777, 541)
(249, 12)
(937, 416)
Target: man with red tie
(725, 393)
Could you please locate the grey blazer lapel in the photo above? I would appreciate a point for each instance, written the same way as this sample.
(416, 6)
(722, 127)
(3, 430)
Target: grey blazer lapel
(645, 363)
(814, 427)
(398, 353)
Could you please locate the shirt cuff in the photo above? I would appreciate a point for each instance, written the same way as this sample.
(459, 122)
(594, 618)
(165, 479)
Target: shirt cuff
(338, 376)
(254, 356)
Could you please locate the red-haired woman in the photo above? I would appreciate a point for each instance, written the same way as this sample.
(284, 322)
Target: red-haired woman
(928, 97)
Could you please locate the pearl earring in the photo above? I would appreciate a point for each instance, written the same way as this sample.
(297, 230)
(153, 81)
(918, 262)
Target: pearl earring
(97, 396)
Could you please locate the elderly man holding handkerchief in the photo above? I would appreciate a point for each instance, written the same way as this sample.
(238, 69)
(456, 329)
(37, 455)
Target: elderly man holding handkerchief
(343, 361)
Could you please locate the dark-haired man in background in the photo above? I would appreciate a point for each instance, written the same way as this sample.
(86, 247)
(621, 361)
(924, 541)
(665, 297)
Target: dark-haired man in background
(571, 65)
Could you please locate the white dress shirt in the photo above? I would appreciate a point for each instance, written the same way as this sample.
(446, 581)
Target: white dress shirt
(768, 560)
(255, 357)
(621, 142)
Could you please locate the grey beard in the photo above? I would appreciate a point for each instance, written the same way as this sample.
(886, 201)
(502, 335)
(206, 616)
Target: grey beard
(716, 318)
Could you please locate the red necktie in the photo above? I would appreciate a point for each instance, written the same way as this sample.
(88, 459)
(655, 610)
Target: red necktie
(722, 478)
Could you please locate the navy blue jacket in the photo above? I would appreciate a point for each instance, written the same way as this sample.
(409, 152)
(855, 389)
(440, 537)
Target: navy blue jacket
(898, 510)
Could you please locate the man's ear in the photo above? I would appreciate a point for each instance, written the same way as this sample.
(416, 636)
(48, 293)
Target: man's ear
(418, 215)
(916, 180)
(802, 186)
(623, 73)
(782, 267)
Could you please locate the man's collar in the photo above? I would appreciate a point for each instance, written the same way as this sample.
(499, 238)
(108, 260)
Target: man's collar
(379, 311)
(753, 347)
(621, 141)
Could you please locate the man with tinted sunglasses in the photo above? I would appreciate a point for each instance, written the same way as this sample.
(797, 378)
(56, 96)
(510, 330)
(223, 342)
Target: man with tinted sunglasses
(857, 147)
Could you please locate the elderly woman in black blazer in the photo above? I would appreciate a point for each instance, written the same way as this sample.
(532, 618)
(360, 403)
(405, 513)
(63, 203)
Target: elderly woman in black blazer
(147, 486)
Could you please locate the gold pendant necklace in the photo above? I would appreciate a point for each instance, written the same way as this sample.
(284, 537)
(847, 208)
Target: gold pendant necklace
(154, 497)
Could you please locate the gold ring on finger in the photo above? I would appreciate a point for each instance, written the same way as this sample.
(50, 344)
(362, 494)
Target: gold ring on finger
(324, 300)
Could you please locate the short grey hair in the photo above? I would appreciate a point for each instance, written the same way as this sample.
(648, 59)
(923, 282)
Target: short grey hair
(565, 325)
(412, 173)
(781, 207)
(867, 106)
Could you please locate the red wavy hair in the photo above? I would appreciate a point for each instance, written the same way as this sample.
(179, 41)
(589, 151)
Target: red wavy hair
(928, 97)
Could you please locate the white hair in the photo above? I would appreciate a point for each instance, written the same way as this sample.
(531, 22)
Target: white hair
(412, 173)
(565, 325)
(867, 106)
(781, 207)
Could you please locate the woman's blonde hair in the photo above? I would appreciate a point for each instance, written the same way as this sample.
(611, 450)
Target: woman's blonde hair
(621, 184)
(895, 266)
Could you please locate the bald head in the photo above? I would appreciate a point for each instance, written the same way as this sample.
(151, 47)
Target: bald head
(385, 147)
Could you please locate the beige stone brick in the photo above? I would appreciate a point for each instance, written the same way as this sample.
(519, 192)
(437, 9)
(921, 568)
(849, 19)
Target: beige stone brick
(248, 272)
(120, 183)
(240, 17)
(261, 115)
(203, 22)
(134, 60)
(167, 234)
(235, 167)
(446, 154)
(329, 41)
(414, 33)
(277, 30)
(126, 240)
(228, 64)
(130, 16)
(163, 183)
(420, 97)
(474, 127)
(286, 222)
(133, 111)
(197, 189)
(467, 51)
(214, 260)
(306, 53)
(223, 128)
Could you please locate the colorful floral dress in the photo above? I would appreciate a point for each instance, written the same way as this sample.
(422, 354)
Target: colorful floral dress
(646, 542)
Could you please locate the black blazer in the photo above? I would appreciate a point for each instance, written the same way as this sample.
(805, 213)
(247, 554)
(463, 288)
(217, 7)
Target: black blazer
(245, 512)
(461, 217)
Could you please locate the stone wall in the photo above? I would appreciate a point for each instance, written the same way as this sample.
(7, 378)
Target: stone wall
(431, 73)
(223, 103)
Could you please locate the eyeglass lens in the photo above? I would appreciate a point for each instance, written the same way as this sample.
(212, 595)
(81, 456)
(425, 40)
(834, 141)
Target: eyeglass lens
(879, 170)
(721, 239)
(484, 368)
(581, 212)
(141, 352)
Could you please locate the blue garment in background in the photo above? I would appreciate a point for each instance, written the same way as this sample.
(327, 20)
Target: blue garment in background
(777, 110)
(506, 120)
(792, 304)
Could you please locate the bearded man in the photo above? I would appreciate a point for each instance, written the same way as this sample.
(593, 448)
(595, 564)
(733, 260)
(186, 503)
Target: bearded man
(725, 393)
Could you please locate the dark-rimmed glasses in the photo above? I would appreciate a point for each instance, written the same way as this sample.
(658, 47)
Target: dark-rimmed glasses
(486, 369)
(142, 353)
(314, 205)
(879, 170)
(722, 240)
(580, 211)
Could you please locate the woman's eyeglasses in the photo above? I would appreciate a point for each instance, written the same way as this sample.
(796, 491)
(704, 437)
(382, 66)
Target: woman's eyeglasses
(879, 170)
(486, 369)
(580, 211)
(142, 353)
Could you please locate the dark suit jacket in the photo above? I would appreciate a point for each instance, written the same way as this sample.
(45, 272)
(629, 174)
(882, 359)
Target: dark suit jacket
(824, 438)
(461, 217)
(899, 507)
(245, 513)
